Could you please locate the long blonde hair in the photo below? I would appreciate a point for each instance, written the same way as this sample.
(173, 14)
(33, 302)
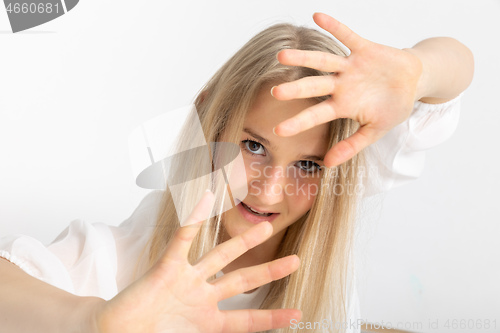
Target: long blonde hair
(322, 237)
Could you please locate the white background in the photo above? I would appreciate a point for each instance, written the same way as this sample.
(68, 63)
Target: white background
(73, 89)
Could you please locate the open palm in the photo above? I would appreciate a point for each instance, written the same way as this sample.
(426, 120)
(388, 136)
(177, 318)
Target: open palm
(174, 296)
(376, 85)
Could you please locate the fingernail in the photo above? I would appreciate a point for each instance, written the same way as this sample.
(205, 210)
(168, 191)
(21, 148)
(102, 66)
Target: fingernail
(274, 131)
(272, 90)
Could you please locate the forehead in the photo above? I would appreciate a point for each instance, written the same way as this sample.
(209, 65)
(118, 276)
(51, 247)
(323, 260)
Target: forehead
(267, 112)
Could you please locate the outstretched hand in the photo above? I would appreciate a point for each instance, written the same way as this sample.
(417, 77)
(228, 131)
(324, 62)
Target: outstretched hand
(174, 296)
(376, 85)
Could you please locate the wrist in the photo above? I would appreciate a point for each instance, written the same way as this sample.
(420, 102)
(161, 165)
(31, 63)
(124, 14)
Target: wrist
(424, 82)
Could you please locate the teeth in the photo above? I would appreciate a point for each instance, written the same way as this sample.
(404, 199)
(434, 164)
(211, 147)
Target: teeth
(257, 212)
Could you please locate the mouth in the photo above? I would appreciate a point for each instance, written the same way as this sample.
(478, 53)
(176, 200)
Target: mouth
(254, 211)
(254, 215)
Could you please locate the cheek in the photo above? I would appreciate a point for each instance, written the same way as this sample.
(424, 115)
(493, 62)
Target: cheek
(253, 169)
(301, 194)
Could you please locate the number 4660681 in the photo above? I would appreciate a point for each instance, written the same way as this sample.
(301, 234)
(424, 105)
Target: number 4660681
(32, 8)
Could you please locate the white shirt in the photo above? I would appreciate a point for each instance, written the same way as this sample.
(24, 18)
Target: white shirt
(99, 260)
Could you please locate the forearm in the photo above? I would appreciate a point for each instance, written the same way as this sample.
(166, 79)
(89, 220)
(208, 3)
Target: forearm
(30, 305)
(448, 67)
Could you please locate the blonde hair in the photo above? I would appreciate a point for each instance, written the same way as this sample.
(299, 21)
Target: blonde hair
(322, 237)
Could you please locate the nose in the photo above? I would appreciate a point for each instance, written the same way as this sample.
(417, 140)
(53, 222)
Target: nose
(269, 187)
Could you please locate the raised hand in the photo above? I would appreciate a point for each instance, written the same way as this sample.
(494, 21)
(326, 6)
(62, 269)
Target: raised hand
(375, 85)
(175, 296)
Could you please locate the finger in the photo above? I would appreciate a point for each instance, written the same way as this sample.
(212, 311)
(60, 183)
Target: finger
(312, 116)
(180, 244)
(249, 278)
(322, 61)
(311, 86)
(340, 31)
(259, 320)
(223, 254)
(346, 149)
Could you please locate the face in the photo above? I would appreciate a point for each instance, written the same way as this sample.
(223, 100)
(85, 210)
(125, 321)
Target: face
(283, 173)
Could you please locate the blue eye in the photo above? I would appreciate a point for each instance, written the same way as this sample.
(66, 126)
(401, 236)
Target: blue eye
(309, 166)
(254, 147)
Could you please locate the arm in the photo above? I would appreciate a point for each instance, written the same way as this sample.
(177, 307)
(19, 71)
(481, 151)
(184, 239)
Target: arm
(448, 67)
(30, 305)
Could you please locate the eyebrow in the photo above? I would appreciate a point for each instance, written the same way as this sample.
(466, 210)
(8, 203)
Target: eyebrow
(267, 143)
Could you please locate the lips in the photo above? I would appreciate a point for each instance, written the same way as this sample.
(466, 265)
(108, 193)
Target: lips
(255, 211)
(255, 215)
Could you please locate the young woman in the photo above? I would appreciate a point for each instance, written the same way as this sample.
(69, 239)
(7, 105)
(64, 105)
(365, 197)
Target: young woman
(302, 111)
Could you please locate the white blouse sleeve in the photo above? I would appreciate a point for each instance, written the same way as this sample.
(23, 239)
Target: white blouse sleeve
(399, 156)
(87, 259)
